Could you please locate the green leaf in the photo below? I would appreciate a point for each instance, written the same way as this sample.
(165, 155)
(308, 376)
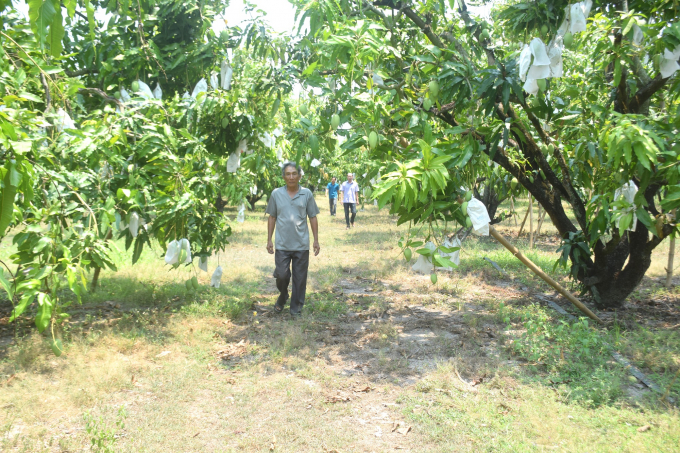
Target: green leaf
(90, 18)
(22, 147)
(7, 285)
(25, 301)
(29, 96)
(624, 222)
(56, 34)
(42, 319)
(7, 207)
(629, 25)
(275, 107)
(41, 14)
(14, 175)
(70, 7)
(644, 217)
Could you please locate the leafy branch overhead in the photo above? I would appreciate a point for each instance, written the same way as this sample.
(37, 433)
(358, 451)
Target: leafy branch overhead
(569, 101)
(92, 154)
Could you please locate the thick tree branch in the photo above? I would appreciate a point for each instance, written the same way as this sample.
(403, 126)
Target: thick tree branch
(80, 72)
(531, 150)
(646, 92)
(565, 186)
(101, 94)
(415, 18)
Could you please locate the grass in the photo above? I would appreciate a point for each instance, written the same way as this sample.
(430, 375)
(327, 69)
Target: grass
(507, 415)
(150, 366)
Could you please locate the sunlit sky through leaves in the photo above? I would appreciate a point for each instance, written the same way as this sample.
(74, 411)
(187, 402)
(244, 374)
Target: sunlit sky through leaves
(279, 14)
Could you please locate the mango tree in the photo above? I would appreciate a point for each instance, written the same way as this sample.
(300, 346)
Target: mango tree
(110, 131)
(577, 101)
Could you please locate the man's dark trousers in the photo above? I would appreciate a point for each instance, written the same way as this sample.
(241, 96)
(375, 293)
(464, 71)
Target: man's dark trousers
(333, 202)
(350, 207)
(282, 273)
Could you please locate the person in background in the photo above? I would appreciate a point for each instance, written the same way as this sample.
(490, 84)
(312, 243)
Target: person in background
(332, 190)
(288, 208)
(350, 194)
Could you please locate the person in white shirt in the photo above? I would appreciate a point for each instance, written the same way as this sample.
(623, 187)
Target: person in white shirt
(350, 196)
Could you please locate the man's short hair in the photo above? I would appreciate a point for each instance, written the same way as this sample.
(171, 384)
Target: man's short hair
(289, 164)
(348, 174)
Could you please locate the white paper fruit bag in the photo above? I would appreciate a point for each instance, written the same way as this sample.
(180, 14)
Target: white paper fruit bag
(216, 277)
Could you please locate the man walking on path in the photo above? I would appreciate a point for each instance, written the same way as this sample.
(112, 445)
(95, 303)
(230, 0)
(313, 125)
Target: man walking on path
(288, 209)
(332, 189)
(350, 193)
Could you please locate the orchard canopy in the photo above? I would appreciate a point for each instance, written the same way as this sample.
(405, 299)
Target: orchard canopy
(136, 120)
(574, 102)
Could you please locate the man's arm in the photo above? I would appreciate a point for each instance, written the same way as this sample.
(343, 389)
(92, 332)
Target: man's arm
(315, 231)
(271, 224)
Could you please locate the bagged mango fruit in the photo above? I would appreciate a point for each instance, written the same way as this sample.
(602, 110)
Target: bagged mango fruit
(134, 224)
(203, 263)
(216, 277)
(184, 251)
(172, 254)
(477, 213)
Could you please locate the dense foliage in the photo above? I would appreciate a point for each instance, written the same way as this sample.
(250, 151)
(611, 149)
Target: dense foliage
(90, 153)
(446, 95)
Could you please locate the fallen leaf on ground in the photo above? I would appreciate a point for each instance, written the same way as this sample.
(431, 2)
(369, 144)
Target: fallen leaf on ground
(642, 429)
(364, 389)
(339, 398)
(404, 430)
(163, 354)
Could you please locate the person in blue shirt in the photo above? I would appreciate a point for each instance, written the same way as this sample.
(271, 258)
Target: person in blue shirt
(332, 190)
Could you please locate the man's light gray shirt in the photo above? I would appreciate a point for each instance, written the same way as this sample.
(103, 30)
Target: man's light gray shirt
(291, 214)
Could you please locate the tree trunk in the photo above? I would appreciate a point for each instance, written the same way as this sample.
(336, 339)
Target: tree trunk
(220, 204)
(611, 281)
(252, 199)
(491, 202)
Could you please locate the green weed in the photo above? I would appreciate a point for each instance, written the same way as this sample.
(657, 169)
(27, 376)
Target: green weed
(103, 438)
